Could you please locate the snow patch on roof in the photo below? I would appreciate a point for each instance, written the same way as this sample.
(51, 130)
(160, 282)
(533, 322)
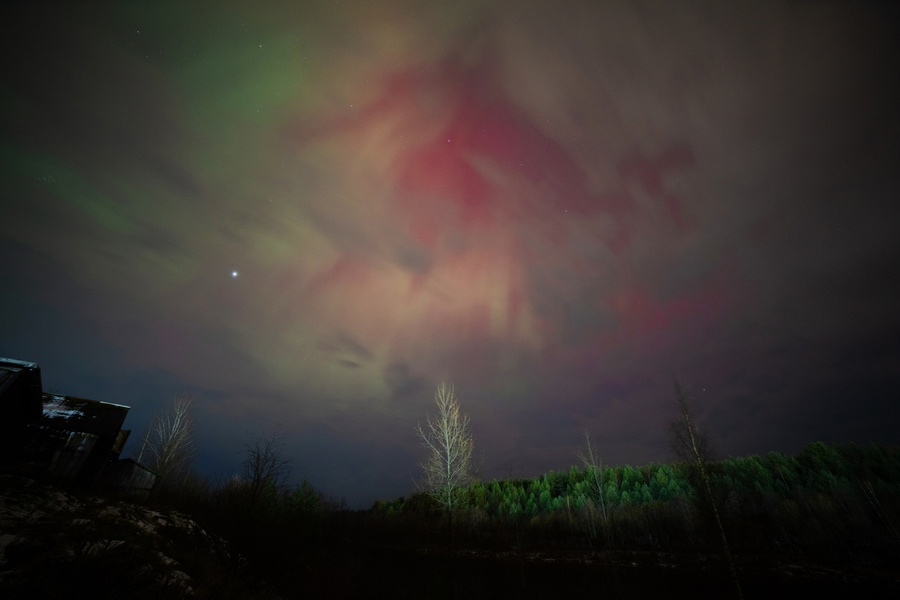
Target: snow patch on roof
(56, 407)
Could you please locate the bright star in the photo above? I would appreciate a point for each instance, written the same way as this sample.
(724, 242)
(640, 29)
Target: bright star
(234, 273)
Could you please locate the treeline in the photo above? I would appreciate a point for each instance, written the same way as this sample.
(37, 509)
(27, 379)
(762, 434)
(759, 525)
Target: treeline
(836, 504)
(825, 502)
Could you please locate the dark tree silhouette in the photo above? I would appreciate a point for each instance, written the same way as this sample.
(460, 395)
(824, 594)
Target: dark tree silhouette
(265, 467)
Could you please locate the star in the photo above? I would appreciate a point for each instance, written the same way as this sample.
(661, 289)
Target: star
(234, 273)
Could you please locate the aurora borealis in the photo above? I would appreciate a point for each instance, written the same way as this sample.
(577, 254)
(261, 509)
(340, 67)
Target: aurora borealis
(308, 214)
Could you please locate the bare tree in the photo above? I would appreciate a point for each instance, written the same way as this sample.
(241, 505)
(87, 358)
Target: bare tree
(593, 465)
(448, 467)
(167, 448)
(265, 467)
(691, 444)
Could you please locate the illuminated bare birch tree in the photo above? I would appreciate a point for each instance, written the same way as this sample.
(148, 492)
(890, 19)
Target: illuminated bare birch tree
(450, 447)
(168, 444)
(593, 467)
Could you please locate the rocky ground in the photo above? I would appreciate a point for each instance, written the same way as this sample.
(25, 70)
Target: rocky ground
(61, 543)
(57, 543)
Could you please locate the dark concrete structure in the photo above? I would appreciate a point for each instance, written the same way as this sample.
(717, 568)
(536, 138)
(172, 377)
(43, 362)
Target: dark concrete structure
(63, 438)
(20, 404)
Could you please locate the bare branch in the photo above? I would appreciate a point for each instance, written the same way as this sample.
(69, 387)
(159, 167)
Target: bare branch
(689, 442)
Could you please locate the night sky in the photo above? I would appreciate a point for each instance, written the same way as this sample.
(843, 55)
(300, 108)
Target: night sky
(308, 214)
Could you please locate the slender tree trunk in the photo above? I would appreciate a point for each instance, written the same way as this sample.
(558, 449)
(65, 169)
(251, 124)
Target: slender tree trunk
(698, 447)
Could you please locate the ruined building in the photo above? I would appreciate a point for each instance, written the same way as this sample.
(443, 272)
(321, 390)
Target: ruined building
(63, 438)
